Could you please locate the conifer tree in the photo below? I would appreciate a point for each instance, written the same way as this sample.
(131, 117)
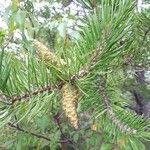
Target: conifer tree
(90, 93)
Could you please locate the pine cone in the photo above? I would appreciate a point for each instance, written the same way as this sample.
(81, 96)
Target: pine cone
(42, 51)
(69, 99)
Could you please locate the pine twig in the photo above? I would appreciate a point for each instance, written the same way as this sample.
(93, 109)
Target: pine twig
(3, 99)
(93, 59)
(64, 139)
(28, 132)
(43, 89)
(15, 98)
(145, 34)
(123, 127)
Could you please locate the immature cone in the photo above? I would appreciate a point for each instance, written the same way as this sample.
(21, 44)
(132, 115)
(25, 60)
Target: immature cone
(69, 99)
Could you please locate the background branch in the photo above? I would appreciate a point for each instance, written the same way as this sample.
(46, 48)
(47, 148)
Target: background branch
(28, 132)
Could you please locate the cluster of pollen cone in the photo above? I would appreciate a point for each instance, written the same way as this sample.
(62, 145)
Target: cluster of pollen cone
(69, 99)
(68, 91)
(44, 53)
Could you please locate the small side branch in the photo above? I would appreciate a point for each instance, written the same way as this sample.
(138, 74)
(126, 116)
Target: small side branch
(28, 132)
(93, 59)
(3, 99)
(117, 122)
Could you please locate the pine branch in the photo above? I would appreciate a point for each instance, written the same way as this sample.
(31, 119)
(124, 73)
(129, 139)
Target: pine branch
(3, 99)
(64, 138)
(145, 34)
(93, 59)
(28, 132)
(42, 89)
(123, 127)
(45, 54)
(17, 127)
(82, 72)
